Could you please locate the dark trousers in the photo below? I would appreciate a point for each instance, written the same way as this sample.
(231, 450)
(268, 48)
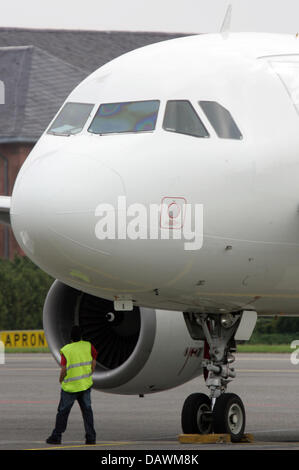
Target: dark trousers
(65, 405)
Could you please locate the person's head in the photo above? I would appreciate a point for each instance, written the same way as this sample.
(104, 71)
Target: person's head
(76, 333)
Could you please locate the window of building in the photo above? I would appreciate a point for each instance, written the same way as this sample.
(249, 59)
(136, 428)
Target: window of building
(221, 120)
(180, 117)
(115, 118)
(71, 119)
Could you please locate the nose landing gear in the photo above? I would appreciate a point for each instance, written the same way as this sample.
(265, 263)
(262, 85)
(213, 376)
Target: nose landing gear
(221, 412)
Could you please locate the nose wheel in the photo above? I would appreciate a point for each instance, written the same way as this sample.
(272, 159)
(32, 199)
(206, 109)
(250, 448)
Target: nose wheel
(227, 416)
(196, 414)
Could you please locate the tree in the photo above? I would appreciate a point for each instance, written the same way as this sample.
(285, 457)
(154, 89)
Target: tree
(23, 289)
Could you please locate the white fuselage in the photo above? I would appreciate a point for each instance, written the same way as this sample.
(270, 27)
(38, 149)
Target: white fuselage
(248, 188)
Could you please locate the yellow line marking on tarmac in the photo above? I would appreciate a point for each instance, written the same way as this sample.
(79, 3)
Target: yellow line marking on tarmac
(50, 447)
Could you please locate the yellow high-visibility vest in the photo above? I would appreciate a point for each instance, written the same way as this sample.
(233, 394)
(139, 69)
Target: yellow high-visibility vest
(78, 366)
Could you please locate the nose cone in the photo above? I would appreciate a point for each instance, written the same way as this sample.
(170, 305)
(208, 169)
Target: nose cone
(53, 210)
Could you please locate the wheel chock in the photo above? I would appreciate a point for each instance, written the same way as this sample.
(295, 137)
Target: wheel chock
(211, 438)
(203, 438)
(247, 438)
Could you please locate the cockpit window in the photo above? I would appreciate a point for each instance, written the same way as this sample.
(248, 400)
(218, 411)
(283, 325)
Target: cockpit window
(221, 120)
(71, 119)
(135, 116)
(180, 117)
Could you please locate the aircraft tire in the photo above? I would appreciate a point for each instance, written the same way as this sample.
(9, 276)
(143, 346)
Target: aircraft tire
(229, 416)
(192, 419)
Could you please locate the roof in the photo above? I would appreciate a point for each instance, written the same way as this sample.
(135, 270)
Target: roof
(36, 84)
(87, 50)
(41, 67)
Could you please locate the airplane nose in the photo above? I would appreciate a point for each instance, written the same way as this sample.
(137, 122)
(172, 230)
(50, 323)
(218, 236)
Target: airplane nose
(53, 208)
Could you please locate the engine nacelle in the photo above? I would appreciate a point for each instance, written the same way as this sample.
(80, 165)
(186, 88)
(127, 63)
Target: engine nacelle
(139, 352)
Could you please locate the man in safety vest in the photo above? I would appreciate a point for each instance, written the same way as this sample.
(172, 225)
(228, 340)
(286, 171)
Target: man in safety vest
(78, 361)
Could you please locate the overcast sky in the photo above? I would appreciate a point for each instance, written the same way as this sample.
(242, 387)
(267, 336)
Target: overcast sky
(153, 15)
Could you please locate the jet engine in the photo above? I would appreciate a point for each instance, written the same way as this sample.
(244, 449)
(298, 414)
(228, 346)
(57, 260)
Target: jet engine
(139, 352)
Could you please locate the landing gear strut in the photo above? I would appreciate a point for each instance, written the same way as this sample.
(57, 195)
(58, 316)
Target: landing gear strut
(220, 412)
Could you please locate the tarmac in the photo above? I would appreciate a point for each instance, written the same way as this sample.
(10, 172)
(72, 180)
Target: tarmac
(268, 384)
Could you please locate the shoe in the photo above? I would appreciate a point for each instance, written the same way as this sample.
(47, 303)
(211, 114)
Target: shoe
(88, 442)
(53, 440)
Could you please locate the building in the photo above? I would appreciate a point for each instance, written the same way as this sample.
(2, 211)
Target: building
(39, 68)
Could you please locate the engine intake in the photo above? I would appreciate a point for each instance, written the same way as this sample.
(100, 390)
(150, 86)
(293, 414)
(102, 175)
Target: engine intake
(114, 334)
(140, 351)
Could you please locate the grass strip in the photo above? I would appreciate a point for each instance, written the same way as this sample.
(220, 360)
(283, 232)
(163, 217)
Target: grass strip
(264, 348)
